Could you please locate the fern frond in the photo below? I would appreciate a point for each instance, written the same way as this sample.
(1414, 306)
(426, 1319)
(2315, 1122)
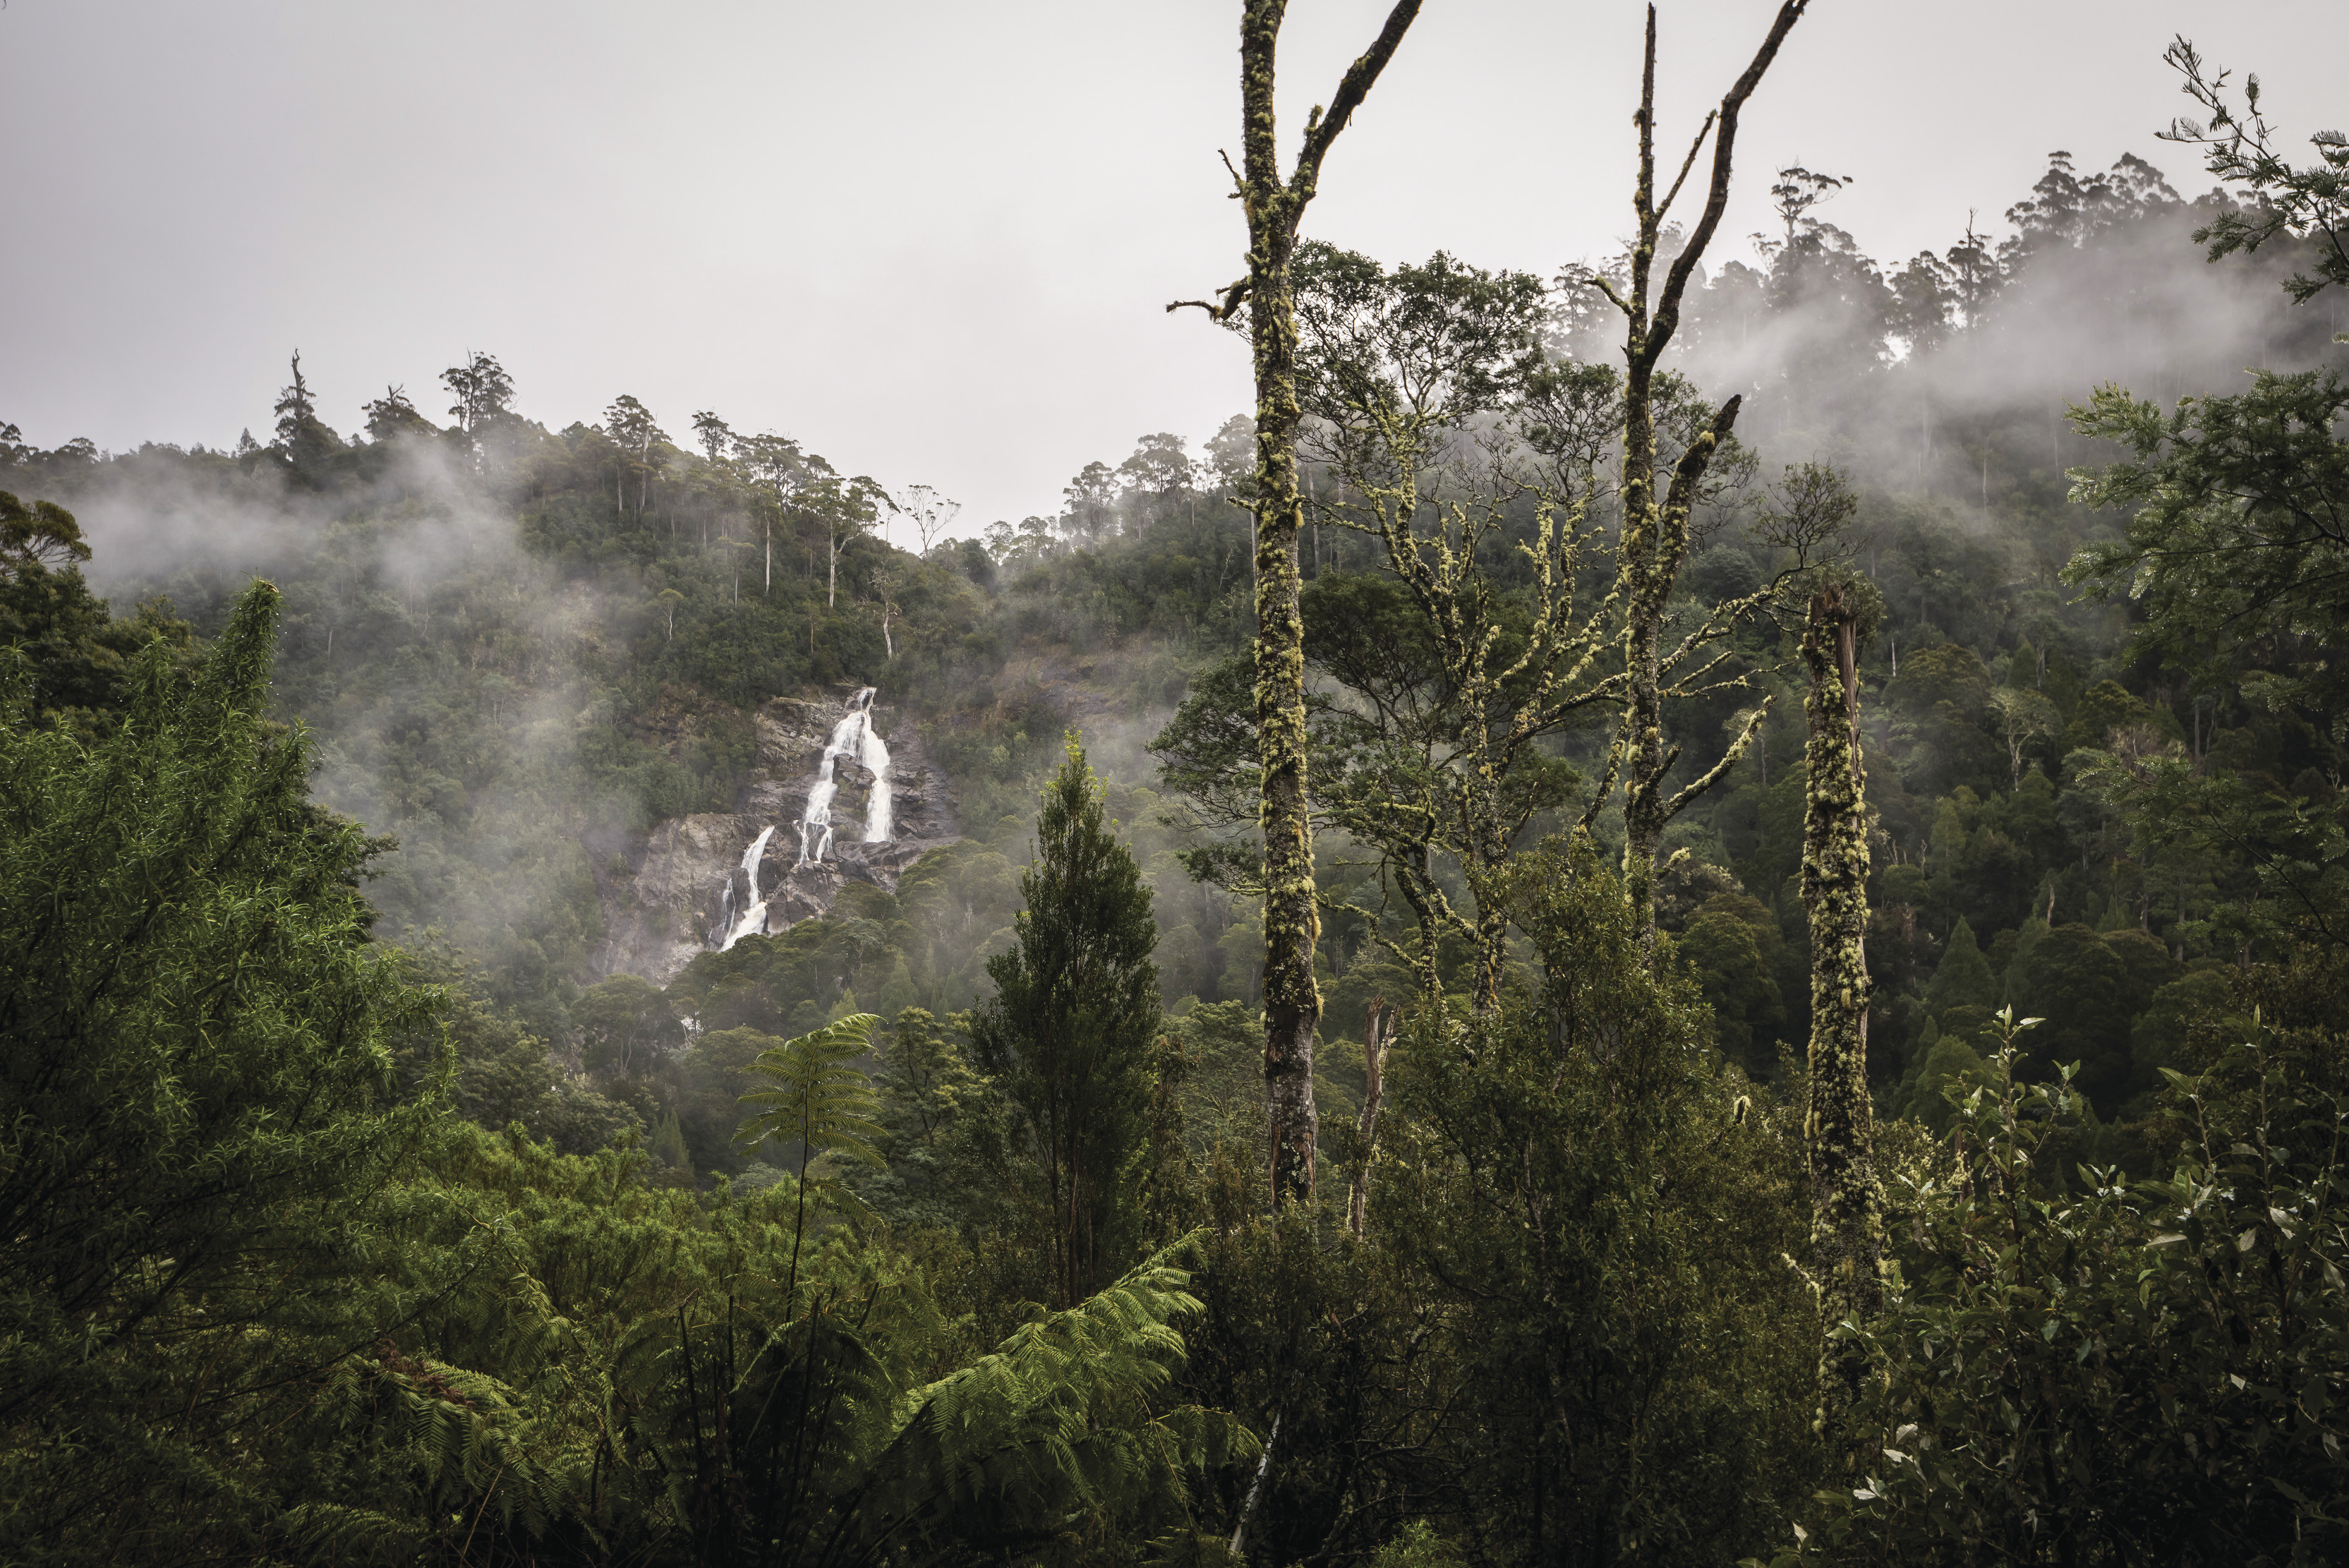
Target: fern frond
(1059, 1416)
(818, 1100)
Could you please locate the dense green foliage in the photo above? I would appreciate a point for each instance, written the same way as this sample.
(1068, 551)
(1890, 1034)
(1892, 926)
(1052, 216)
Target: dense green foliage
(1068, 1030)
(199, 1121)
(293, 1312)
(356, 1209)
(2147, 1371)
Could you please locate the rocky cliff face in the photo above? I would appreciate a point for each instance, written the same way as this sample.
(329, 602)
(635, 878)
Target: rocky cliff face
(663, 892)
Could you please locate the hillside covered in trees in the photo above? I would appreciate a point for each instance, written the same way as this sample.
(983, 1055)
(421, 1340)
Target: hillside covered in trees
(1792, 1004)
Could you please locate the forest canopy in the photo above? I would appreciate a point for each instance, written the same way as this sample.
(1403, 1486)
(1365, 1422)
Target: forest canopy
(1690, 910)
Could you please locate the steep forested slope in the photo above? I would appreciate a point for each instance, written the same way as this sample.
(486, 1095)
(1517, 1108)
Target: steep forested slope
(522, 649)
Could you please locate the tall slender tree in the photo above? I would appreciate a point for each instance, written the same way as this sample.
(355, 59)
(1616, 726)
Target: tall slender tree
(1655, 540)
(635, 433)
(781, 468)
(1275, 204)
(715, 435)
(931, 512)
(1846, 1202)
(846, 510)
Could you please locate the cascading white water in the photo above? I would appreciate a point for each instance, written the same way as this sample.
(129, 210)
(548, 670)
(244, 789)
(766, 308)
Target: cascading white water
(754, 917)
(852, 737)
(874, 756)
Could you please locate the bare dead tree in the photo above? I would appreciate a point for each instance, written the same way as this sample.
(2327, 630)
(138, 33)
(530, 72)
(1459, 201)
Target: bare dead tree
(1275, 204)
(1655, 539)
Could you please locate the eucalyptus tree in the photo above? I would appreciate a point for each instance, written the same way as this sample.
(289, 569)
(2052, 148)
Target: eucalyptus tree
(779, 467)
(1161, 470)
(1274, 203)
(931, 512)
(483, 389)
(715, 435)
(1091, 498)
(846, 510)
(635, 433)
(887, 583)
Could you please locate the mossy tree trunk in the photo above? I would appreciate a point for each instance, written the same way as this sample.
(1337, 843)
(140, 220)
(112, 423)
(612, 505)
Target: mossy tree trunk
(1655, 539)
(1839, 1133)
(1273, 206)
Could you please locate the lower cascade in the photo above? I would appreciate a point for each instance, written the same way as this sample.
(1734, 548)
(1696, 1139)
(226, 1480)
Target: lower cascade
(742, 910)
(754, 914)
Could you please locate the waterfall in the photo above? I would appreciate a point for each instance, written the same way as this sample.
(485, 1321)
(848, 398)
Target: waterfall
(853, 738)
(754, 915)
(875, 757)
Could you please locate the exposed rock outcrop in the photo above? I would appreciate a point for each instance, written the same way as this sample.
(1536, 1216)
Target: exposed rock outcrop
(662, 892)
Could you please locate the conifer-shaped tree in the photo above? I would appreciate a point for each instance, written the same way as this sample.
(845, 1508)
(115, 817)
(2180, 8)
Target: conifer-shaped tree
(668, 1144)
(1069, 1031)
(1963, 978)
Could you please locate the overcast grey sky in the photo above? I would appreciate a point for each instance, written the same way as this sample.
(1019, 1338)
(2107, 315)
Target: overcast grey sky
(931, 240)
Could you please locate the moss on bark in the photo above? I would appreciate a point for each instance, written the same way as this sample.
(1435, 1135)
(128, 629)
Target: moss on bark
(1840, 1129)
(1292, 924)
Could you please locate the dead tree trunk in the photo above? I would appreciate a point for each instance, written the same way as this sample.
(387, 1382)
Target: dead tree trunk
(1839, 1131)
(1655, 539)
(1274, 205)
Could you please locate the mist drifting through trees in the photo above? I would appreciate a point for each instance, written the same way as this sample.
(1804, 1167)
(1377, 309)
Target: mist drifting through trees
(1686, 909)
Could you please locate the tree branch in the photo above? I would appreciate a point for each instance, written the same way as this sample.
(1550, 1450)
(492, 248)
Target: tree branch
(1688, 163)
(1233, 295)
(1690, 471)
(1323, 129)
(1603, 287)
(1681, 802)
(1716, 200)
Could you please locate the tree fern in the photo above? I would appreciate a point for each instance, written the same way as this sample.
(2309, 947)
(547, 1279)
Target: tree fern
(819, 1101)
(1059, 1422)
(824, 1105)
